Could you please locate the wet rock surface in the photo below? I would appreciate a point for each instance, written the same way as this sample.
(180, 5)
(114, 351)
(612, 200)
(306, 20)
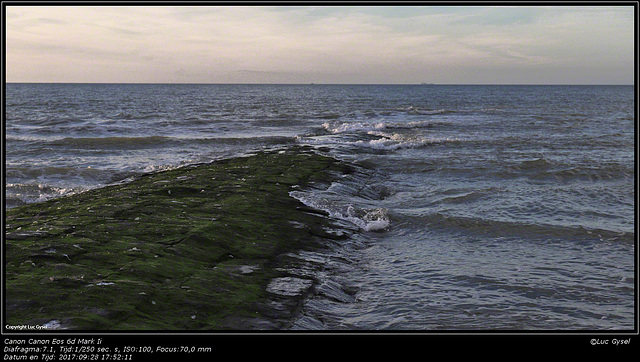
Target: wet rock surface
(207, 246)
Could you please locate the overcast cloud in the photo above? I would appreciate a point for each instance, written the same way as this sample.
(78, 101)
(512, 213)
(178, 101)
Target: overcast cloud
(497, 45)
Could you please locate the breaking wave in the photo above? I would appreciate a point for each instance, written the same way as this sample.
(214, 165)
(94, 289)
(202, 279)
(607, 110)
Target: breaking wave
(374, 219)
(363, 127)
(376, 136)
(17, 194)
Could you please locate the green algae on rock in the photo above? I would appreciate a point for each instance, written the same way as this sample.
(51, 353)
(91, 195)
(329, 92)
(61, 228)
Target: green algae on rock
(184, 249)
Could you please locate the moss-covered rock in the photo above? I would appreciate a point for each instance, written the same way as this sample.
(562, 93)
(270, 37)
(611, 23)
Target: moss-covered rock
(188, 248)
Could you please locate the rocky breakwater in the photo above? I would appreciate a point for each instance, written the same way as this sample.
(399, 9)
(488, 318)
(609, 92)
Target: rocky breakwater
(199, 247)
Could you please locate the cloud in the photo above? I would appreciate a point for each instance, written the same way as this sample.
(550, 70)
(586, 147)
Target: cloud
(306, 44)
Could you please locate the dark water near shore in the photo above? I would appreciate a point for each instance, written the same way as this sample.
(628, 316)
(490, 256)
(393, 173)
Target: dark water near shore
(478, 207)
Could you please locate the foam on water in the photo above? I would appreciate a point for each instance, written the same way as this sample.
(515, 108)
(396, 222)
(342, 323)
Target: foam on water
(25, 193)
(375, 219)
(355, 125)
(342, 127)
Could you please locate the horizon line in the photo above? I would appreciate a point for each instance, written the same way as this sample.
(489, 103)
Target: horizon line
(312, 83)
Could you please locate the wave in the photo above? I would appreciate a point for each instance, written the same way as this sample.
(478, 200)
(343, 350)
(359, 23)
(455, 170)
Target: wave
(249, 140)
(374, 219)
(25, 139)
(466, 195)
(537, 169)
(119, 142)
(39, 172)
(377, 136)
(136, 116)
(44, 120)
(111, 142)
(375, 141)
(345, 127)
(397, 141)
(17, 194)
(416, 110)
(529, 230)
(427, 112)
(541, 169)
(588, 173)
(363, 127)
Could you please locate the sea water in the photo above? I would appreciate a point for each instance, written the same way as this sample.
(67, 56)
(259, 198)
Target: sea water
(474, 207)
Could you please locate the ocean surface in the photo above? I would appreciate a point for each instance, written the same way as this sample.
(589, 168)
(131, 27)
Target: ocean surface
(476, 207)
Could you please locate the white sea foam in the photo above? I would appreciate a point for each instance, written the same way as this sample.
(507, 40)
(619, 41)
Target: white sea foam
(157, 168)
(406, 135)
(352, 127)
(376, 219)
(37, 192)
(395, 141)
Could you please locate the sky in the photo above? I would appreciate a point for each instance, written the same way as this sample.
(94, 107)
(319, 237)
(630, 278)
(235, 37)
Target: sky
(321, 44)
